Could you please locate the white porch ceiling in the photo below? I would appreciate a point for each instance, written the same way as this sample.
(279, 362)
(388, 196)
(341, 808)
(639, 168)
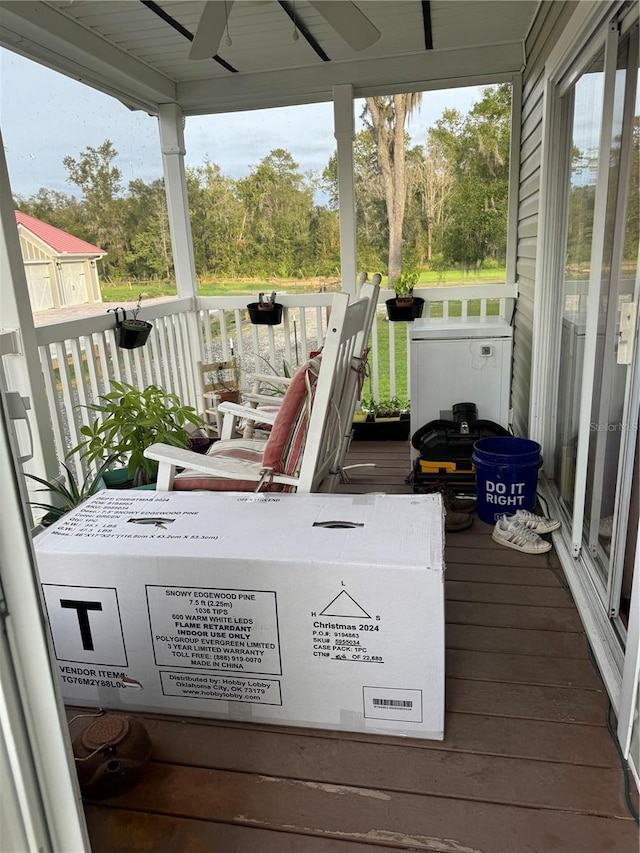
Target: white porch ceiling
(139, 50)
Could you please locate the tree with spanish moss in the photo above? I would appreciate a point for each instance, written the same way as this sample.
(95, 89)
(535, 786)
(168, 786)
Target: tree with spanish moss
(386, 117)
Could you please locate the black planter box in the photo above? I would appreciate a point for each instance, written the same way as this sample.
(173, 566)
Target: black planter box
(386, 429)
(260, 317)
(405, 312)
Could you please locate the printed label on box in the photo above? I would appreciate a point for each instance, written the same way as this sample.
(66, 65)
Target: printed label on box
(391, 703)
(203, 685)
(208, 628)
(85, 624)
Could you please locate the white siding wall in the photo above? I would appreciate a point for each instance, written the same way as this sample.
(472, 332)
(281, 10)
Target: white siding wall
(551, 20)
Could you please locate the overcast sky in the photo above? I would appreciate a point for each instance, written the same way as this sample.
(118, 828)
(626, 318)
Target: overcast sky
(44, 116)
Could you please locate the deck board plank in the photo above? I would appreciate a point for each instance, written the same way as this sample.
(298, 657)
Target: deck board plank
(400, 767)
(522, 669)
(508, 594)
(490, 638)
(409, 821)
(527, 762)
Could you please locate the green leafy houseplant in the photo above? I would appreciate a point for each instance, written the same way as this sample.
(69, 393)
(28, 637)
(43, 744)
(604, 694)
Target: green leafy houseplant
(403, 285)
(405, 306)
(382, 409)
(70, 493)
(384, 420)
(130, 421)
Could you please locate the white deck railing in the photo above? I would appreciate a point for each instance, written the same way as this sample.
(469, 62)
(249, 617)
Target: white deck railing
(80, 358)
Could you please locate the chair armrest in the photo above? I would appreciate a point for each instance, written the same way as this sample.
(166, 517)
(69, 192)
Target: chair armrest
(264, 399)
(271, 379)
(169, 457)
(233, 412)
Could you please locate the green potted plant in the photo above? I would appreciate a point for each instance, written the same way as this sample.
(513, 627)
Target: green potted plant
(131, 333)
(130, 420)
(385, 420)
(266, 311)
(67, 493)
(405, 306)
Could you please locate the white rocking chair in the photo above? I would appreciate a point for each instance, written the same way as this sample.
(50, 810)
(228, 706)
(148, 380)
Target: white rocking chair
(305, 447)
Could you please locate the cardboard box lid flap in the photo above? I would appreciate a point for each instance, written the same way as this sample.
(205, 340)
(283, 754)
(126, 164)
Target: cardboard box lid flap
(373, 529)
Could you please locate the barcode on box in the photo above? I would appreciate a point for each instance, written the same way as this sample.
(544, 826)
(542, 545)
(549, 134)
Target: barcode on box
(392, 703)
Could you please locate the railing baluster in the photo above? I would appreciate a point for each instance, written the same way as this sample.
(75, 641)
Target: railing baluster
(304, 343)
(93, 365)
(375, 360)
(164, 355)
(153, 360)
(57, 422)
(288, 352)
(271, 337)
(116, 365)
(392, 359)
(68, 400)
(173, 361)
(258, 364)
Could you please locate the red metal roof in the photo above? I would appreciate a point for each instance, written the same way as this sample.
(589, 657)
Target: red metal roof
(59, 241)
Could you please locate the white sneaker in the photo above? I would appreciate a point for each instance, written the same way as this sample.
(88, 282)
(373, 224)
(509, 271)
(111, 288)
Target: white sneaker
(537, 523)
(515, 535)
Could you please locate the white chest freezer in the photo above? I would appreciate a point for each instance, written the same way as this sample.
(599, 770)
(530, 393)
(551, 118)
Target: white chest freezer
(459, 360)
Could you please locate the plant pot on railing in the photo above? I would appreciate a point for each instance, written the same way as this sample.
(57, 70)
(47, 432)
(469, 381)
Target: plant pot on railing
(265, 312)
(131, 333)
(407, 310)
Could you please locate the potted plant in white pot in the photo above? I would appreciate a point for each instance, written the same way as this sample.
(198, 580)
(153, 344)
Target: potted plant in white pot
(129, 421)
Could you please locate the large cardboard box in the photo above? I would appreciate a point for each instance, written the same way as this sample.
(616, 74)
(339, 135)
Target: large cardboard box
(306, 610)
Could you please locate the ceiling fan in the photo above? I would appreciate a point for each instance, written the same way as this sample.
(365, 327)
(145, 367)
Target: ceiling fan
(345, 18)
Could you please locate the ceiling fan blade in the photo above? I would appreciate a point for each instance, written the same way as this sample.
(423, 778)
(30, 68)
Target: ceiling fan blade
(210, 29)
(349, 22)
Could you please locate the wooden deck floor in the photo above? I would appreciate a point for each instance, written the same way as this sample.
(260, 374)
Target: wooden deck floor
(527, 763)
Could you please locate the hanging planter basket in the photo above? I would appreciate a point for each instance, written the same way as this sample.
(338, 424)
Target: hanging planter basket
(405, 312)
(265, 314)
(130, 332)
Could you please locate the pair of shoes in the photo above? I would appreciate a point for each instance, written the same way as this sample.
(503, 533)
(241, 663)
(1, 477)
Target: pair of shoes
(537, 523)
(515, 534)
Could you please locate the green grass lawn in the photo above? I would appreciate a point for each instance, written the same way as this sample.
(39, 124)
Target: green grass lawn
(127, 292)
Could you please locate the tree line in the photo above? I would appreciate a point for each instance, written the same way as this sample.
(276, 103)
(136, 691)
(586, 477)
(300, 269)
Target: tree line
(439, 204)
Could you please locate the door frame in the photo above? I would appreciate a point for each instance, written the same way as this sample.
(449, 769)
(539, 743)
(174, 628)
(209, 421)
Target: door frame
(589, 30)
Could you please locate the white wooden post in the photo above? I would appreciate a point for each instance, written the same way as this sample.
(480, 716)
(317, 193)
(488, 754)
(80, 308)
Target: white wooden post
(21, 366)
(171, 119)
(345, 133)
(171, 124)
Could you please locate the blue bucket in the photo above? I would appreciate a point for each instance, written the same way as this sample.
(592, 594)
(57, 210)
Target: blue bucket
(506, 475)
